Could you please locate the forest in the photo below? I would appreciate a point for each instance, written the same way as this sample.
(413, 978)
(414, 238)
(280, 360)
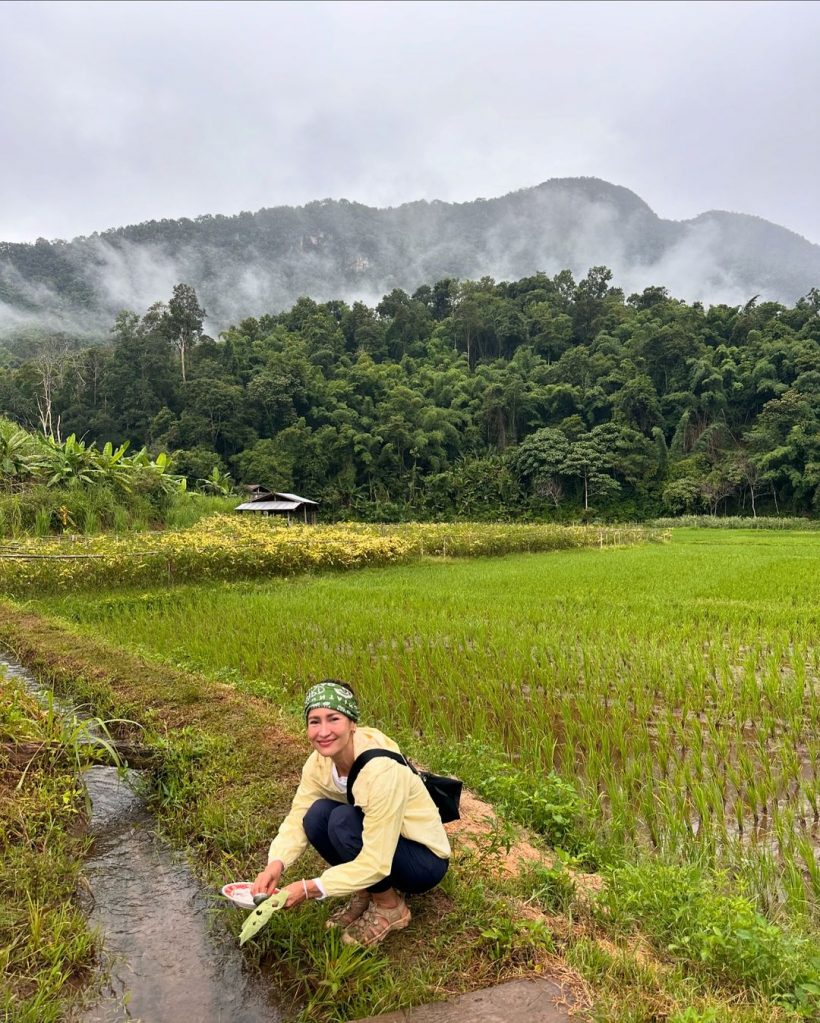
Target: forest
(544, 397)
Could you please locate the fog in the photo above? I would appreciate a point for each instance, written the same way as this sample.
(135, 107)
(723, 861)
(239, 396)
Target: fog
(360, 254)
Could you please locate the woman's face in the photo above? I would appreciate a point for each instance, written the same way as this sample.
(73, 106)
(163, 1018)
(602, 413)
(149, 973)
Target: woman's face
(329, 731)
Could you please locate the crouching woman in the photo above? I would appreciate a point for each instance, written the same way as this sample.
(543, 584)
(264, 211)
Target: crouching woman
(389, 843)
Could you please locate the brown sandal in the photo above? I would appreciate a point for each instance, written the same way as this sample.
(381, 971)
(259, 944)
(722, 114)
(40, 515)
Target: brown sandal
(376, 923)
(355, 907)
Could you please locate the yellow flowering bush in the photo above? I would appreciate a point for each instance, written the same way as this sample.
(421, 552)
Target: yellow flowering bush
(233, 547)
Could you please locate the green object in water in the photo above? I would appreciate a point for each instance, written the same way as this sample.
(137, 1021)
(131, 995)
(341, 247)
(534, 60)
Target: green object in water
(260, 916)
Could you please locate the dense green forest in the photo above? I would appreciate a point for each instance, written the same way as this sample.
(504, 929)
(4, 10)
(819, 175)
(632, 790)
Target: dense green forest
(542, 397)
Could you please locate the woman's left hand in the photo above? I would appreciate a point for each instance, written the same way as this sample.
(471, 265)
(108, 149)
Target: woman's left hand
(296, 894)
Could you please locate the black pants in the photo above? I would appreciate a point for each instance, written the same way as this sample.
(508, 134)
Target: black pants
(335, 832)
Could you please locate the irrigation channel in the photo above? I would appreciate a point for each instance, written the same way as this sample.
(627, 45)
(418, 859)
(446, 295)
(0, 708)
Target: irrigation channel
(163, 959)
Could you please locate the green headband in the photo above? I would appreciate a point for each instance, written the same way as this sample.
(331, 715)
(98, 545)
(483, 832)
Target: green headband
(332, 696)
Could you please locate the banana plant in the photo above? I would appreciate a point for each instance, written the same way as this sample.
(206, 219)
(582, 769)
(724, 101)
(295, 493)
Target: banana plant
(217, 483)
(72, 460)
(112, 467)
(158, 470)
(19, 460)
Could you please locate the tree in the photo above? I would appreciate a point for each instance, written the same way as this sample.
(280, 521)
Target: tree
(402, 408)
(139, 377)
(629, 454)
(743, 471)
(550, 330)
(215, 413)
(588, 460)
(592, 299)
(784, 446)
(649, 297)
(637, 403)
(184, 320)
(197, 463)
(716, 487)
(682, 495)
(52, 361)
(539, 462)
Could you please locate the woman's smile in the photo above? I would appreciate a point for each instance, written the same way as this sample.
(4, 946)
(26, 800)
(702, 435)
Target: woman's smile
(330, 733)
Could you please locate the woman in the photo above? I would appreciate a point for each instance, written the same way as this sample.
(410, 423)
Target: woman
(390, 841)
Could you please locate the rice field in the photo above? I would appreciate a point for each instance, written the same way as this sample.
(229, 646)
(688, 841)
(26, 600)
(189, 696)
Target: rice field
(229, 547)
(677, 686)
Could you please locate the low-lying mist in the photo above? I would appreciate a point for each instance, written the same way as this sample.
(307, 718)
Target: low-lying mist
(261, 263)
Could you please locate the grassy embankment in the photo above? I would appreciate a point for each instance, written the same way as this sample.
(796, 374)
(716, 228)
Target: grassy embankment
(47, 952)
(627, 672)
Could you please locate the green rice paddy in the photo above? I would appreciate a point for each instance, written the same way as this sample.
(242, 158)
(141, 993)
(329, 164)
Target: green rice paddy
(676, 687)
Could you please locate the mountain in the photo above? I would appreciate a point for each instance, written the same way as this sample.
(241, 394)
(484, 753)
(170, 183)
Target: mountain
(260, 262)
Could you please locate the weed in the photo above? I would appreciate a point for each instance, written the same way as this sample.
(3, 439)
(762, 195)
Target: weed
(720, 934)
(691, 1015)
(551, 889)
(45, 944)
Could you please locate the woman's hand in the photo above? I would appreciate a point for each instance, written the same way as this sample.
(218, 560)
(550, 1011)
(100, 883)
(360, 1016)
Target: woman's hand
(301, 891)
(296, 894)
(268, 880)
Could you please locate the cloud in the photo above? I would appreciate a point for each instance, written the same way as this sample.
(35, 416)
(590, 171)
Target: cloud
(120, 113)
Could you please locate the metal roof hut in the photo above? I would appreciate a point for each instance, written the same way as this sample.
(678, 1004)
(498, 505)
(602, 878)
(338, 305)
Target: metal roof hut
(291, 506)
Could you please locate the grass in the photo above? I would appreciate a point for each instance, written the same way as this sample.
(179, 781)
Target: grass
(188, 508)
(229, 764)
(46, 949)
(737, 522)
(647, 709)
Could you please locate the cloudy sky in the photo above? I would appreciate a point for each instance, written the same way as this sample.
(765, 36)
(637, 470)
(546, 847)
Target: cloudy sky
(115, 113)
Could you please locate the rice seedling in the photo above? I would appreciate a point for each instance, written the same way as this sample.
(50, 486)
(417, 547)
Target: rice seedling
(675, 688)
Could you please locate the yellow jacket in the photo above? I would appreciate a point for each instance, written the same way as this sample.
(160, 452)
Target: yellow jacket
(394, 802)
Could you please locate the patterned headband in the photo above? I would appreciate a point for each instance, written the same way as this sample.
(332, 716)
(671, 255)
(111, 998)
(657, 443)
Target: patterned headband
(332, 696)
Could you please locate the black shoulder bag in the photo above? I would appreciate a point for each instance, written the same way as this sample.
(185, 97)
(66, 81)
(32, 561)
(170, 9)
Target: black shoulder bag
(445, 792)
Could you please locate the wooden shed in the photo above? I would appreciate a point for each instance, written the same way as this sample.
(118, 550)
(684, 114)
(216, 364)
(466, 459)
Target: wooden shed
(290, 506)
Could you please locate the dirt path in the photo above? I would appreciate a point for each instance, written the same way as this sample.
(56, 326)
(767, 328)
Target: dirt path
(534, 1000)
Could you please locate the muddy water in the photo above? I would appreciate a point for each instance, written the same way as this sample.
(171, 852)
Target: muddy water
(164, 957)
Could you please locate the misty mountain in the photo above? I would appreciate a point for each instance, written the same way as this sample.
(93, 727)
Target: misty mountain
(253, 263)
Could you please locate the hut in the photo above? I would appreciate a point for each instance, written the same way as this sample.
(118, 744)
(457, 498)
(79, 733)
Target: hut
(290, 506)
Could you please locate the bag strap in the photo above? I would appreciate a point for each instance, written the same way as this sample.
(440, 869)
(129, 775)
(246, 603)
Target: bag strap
(365, 758)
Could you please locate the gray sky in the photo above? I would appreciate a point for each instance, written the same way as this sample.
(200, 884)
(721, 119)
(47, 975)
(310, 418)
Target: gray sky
(115, 113)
